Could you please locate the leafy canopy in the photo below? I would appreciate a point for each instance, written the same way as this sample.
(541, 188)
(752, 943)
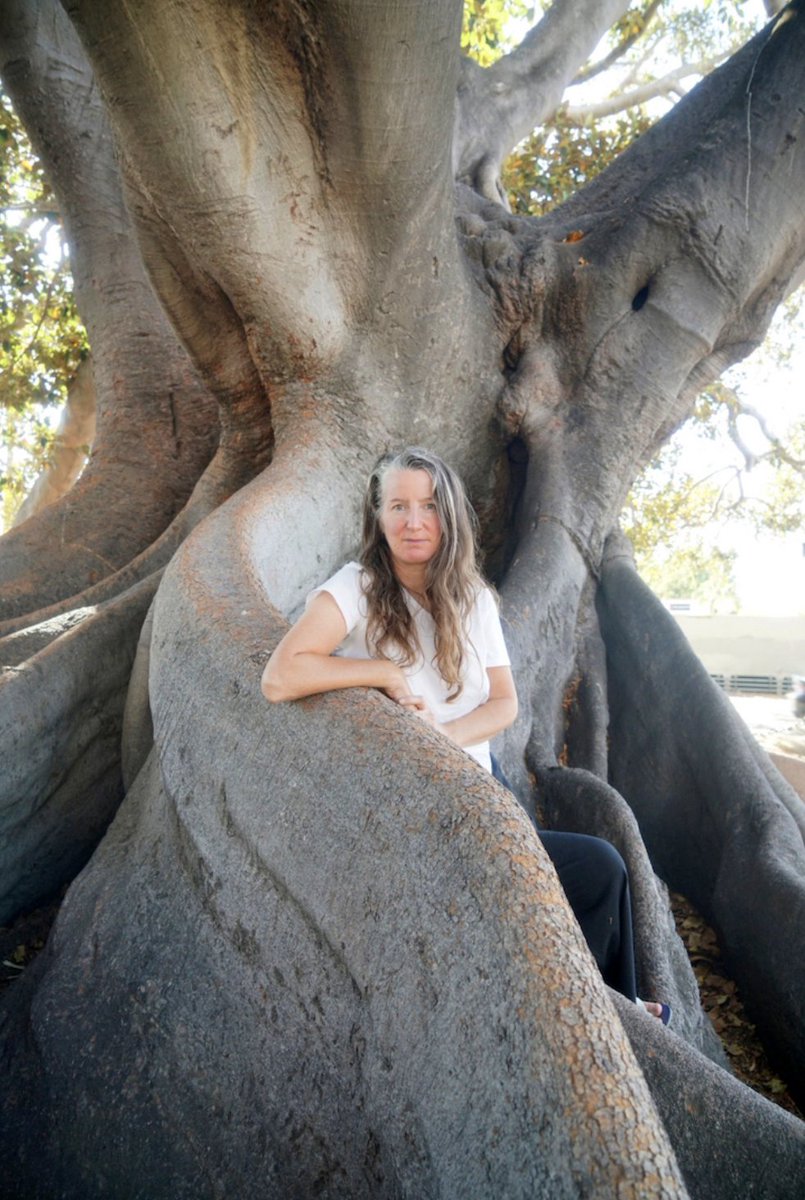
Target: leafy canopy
(42, 340)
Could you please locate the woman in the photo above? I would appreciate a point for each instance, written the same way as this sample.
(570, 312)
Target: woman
(415, 619)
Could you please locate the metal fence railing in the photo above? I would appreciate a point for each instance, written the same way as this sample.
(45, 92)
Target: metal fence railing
(758, 685)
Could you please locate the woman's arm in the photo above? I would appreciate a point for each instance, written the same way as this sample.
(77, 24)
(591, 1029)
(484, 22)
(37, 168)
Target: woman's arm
(303, 663)
(489, 718)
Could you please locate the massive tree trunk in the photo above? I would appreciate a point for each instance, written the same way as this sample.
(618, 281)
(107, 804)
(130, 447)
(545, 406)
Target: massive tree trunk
(319, 950)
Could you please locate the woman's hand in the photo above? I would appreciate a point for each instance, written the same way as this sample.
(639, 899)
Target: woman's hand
(399, 690)
(395, 686)
(482, 722)
(416, 704)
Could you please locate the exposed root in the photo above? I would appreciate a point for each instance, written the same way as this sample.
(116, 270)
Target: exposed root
(729, 1141)
(577, 802)
(60, 718)
(221, 478)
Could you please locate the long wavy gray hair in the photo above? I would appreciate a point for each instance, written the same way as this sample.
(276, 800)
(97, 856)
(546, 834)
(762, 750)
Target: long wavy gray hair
(452, 577)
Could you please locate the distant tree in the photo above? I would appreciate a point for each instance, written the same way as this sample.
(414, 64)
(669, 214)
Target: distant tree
(678, 519)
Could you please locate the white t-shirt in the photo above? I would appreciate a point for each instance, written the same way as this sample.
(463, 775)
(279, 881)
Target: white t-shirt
(485, 648)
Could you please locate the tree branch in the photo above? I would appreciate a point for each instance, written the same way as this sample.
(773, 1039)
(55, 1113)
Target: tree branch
(581, 114)
(642, 22)
(641, 290)
(730, 838)
(736, 407)
(690, 256)
(500, 105)
(70, 448)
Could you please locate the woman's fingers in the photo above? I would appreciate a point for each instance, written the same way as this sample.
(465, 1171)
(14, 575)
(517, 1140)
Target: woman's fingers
(419, 706)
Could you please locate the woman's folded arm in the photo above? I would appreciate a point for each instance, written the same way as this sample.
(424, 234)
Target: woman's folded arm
(303, 663)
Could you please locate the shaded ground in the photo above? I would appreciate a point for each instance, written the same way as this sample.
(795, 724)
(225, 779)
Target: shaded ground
(772, 721)
(722, 1003)
(21, 942)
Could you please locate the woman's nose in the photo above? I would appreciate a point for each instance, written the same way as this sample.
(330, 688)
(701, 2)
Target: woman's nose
(414, 517)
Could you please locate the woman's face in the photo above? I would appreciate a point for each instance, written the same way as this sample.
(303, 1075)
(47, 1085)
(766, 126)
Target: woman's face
(409, 517)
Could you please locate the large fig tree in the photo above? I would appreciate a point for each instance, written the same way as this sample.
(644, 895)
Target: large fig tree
(318, 950)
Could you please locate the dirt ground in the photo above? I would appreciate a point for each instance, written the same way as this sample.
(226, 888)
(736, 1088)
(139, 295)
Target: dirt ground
(721, 1001)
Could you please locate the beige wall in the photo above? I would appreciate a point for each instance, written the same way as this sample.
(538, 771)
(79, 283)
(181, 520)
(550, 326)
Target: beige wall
(747, 645)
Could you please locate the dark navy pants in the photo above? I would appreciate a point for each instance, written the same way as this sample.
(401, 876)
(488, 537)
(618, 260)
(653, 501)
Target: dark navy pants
(596, 883)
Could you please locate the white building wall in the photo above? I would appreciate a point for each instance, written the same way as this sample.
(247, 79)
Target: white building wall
(732, 646)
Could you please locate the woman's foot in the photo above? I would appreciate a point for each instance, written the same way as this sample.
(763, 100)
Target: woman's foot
(656, 1009)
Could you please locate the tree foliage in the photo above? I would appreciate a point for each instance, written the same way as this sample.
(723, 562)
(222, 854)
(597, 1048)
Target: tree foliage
(556, 160)
(649, 42)
(42, 339)
(667, 511)
(708, 487)
(486, 27)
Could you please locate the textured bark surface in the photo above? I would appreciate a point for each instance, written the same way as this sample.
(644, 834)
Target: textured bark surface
(62, 713)
(320, 951)
(759, 1151)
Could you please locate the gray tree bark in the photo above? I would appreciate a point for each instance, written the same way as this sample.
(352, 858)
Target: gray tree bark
(319, 950)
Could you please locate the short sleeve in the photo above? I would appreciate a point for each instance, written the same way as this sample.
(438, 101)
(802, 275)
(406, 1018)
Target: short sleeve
(495, 652)
(345, 588)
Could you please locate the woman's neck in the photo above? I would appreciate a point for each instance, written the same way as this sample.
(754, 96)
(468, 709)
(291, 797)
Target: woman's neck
(413, 578)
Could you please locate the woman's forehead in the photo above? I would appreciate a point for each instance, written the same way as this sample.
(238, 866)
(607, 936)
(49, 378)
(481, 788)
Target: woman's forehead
(407, 483)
